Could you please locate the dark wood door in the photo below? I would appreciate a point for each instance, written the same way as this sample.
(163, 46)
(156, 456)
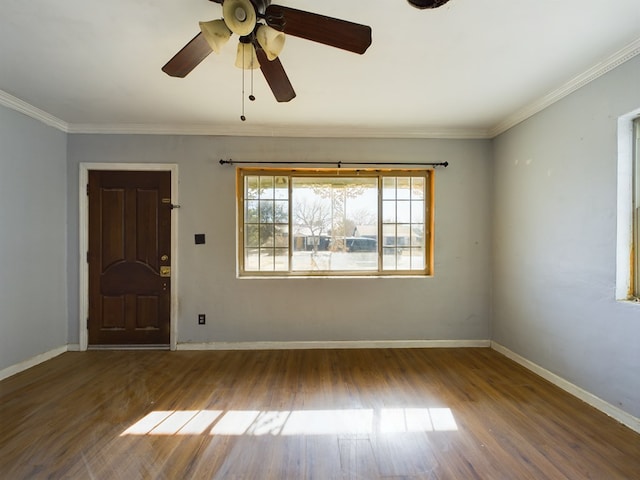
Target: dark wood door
(129, 257)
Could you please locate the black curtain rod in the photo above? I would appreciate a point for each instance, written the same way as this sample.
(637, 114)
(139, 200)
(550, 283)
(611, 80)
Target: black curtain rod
(338, 164)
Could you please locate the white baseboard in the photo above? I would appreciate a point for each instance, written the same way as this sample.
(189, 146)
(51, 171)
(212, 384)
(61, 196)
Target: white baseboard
(335, 345)
(32, 362)
(596, 402)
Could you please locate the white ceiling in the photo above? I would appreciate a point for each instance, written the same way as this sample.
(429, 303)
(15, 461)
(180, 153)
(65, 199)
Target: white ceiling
(471, 68)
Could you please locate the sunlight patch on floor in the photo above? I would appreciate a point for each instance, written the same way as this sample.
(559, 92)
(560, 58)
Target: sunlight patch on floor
(294, 422)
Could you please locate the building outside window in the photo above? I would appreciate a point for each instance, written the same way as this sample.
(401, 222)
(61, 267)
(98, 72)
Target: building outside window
(344, 222)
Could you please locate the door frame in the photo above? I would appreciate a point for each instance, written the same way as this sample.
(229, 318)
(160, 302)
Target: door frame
(83, 294)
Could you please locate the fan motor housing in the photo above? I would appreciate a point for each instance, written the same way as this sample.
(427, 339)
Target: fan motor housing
(261, 6)
(422, 4)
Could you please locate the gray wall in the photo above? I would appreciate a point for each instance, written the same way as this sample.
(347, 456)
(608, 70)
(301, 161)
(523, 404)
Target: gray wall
(452, 305)
(33, 230)
(555, 242)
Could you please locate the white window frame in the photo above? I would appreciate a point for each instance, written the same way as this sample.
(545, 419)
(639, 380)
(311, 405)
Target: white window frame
(428, 243)
(628, 228)
(636, 210)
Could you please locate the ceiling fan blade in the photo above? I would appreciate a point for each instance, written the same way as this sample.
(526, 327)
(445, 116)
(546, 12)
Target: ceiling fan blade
(318, 28)
(275, 76)
(188, 58)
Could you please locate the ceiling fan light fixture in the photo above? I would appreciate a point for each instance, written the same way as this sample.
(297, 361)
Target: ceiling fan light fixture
(246, 57)
(216, 33)
(240, 16)
(271, 41)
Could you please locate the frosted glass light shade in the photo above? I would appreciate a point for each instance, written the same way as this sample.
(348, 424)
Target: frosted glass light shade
(240, 16)
(216, 33)
(271, 41)
(246, 57)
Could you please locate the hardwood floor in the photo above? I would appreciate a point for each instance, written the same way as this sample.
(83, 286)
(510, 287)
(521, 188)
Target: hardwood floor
(303, 414)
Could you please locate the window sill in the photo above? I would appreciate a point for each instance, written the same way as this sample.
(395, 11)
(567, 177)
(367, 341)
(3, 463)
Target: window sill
(332, 277)
(630, 301)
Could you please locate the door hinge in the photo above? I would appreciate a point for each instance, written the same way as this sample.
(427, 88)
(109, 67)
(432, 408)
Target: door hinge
(87, 256)
(87, 189)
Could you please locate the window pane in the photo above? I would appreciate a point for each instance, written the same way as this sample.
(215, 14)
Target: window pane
(267, 232)
(389, 261)
(252, 236)
(417, 258)
(335, 223)
(389, 211)
(266, 212)
(404, 211)
(404, 188)
(267, 260)
(417, 188)
(281, 211)
(404, 234)
(281, 239)
(417, 211)
(251, 211)
(281, 188)
(251, 259)
(389, 188)
(389, 235)
(417, 235)
(281, 259)
(251, 187)
(266, 187)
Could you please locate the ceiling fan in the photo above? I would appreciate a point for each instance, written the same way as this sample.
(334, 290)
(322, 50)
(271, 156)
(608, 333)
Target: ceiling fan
(261, 27)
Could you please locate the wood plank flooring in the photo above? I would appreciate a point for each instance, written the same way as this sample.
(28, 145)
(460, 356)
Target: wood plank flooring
(303, 414)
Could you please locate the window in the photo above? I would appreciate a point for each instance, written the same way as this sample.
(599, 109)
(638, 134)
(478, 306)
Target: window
(335, 222)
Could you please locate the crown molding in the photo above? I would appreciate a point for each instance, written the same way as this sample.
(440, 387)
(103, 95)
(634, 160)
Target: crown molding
(310, 131)
(577, 82)
(29, 110)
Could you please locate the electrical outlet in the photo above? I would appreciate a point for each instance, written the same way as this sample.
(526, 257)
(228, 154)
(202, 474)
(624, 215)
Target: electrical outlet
(202, 319)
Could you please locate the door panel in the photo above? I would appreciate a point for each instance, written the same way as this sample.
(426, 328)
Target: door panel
(129, 242)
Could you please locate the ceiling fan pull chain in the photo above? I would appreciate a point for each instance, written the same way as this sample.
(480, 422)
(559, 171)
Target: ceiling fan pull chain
(242, 117)
(252, 97)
